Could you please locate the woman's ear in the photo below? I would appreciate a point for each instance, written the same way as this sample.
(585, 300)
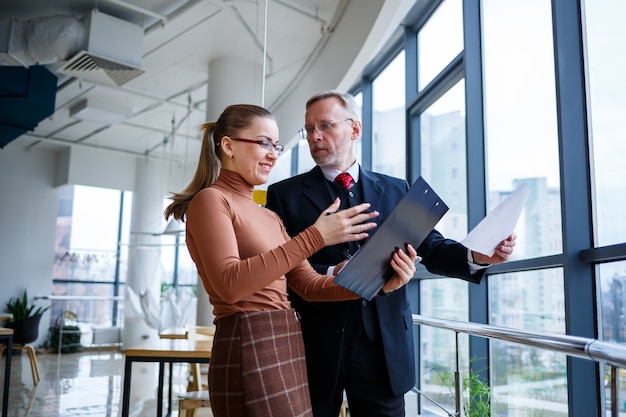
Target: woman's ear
(226, 146)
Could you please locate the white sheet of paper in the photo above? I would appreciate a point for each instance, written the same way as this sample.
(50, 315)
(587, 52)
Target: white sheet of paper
(498, 224)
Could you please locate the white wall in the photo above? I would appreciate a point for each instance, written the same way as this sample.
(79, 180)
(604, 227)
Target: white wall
(28, 203)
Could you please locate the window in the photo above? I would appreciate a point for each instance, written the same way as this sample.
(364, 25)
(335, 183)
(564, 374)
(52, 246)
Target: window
(521, 124)
(444, 298)
(532, 300)
(88, 258)
(606, 36)
(439, 41)
(389, 131)
(442, 134)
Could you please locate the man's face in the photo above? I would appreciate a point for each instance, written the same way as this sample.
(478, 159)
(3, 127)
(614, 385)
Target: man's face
(333, 148)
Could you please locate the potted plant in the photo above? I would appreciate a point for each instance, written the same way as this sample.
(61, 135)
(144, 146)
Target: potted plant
(25, 320)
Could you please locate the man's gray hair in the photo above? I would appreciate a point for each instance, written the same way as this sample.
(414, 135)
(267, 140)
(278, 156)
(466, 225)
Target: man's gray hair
(347, 100)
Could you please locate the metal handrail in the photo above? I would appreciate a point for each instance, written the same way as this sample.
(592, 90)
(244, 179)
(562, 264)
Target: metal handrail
(581, 347)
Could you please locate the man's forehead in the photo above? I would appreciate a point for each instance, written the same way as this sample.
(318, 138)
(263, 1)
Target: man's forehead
(327, 109)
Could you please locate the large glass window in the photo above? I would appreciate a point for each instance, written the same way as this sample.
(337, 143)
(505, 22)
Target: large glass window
(444, 298)
(178, 267)
(389, 127)
(527, 379)
(89, 261)
(443, 156)
(613, 301)
(521, 124)
(439, 41)
(612, 290)
(606, 36)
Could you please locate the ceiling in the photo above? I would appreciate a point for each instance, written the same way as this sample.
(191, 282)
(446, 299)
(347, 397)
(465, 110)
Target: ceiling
(160, 109)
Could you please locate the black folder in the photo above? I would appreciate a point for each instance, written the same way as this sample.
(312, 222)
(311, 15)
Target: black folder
(411, 221)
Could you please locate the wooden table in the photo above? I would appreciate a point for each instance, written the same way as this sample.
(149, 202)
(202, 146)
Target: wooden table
(174, 333)
(7, 336)
(163, 351)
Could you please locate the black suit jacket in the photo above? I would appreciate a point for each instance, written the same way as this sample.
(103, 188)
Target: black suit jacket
(299, 201)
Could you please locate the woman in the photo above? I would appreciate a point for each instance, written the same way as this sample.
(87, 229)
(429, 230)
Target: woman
(245, 259)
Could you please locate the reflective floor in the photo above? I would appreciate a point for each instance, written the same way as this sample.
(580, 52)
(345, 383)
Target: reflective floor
(87, 384)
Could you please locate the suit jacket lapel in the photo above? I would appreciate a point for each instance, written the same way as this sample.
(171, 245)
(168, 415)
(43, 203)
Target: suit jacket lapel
(372, 190)
(316, 190)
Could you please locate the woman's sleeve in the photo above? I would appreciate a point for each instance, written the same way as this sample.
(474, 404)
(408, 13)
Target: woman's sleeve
(312, 286)
(210, 224)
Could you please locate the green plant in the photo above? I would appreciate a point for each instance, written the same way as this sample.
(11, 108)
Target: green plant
(21, 308)
(64, 336)
(477, 403)
(477, 398)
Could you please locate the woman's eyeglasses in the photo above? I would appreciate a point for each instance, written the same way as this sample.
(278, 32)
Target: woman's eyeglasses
(265, 144)
(322, 127)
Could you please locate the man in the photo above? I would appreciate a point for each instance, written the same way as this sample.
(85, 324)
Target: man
(364, 348)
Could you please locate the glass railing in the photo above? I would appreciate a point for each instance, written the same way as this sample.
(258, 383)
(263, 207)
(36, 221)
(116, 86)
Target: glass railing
(84, 322)
(607, 353)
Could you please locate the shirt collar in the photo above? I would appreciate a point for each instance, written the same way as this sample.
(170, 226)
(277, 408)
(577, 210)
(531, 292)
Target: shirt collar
(330, 173)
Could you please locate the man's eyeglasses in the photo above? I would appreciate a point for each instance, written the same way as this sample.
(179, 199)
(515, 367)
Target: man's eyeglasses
(321, 127)
(265, 144)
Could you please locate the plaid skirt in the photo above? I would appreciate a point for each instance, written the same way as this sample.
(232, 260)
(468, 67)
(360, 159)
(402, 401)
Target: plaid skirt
(258, 367)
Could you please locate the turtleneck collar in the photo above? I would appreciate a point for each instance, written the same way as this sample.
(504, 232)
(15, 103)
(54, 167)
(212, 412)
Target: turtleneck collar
(234, 182)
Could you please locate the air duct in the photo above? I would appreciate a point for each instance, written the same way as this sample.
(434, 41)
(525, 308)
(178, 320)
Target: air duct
(112, 54)
(100, 48)
(27, 95)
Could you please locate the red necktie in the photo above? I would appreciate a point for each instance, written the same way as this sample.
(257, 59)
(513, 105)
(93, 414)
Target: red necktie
(344, 179)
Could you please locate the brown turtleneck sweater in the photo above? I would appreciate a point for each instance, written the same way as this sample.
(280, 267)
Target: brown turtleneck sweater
(244, 255)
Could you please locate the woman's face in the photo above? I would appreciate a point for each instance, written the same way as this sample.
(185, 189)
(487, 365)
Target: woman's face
(251, 160)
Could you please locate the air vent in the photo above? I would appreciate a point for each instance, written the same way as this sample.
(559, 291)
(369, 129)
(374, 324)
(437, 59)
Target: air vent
(110, 53)
(101, 70)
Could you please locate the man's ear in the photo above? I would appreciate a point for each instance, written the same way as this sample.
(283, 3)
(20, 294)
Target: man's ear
(356, 129)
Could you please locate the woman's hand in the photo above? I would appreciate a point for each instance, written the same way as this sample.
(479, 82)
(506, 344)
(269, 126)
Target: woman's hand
(346, 225)
(404, 265)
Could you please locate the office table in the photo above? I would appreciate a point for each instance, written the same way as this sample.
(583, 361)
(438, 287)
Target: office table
(163, 351)
(174, 333)
(6, 335)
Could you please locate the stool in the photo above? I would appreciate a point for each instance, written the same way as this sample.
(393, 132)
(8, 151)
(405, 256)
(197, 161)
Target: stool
(34, 368)
(190, 401)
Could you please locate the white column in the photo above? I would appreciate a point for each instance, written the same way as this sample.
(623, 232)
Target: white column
(144, 264)
(231, 81)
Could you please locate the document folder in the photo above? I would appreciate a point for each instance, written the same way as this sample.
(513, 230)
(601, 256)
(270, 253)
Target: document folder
(411, 221)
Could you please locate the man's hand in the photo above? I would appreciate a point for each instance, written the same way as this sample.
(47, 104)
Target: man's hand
(340, 266)
(503, 252)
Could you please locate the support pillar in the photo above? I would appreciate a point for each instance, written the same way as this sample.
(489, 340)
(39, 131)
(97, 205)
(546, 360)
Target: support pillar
(143, 279)
(231, 81)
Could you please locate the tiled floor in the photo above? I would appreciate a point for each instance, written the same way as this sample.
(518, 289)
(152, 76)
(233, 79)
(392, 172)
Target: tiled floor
(86, 384)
